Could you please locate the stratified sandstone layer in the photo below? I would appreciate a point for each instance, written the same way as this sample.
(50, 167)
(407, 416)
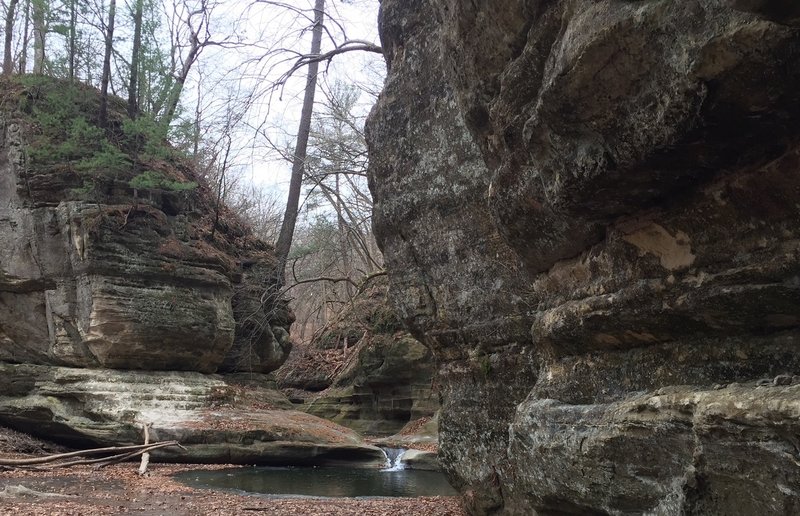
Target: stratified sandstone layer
(382, 382)
(124, 278)
(118, 298)
(590, 213)
(227, 420)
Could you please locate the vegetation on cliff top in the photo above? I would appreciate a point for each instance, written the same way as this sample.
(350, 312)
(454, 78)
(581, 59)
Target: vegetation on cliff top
(64, 135)
(127, 167)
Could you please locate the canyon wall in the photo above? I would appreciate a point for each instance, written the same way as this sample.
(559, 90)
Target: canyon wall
(97, 273)
(125, 285)
(590, 211)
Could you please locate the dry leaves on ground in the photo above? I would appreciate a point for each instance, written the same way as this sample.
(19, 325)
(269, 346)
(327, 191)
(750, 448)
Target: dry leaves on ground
(118, 490)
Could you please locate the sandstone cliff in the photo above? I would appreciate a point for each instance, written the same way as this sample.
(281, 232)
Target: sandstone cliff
(95, 272)
(121, 290)
(589, 212)
(365, 371)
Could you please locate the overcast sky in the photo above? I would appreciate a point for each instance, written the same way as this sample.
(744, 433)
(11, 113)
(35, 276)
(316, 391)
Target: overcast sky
(276, 115)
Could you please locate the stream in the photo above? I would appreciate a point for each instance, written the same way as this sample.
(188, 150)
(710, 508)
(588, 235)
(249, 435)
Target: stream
(394, 480)
(322, 482)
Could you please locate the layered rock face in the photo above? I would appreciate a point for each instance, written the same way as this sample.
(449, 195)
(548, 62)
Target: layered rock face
(236, 420)
(589, 211)
(127, 279)
(116, 301)
(384, 387)
(373, 376)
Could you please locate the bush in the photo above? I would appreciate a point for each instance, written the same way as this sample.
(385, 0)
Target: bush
(151, 179)
(146, 139)
(64, 135)
(106, 159)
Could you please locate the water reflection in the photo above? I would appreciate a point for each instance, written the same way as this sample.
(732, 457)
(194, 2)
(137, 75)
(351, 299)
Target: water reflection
(333, 482)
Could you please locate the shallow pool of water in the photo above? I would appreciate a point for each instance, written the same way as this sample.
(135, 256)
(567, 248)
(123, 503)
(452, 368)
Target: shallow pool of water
(326, 482)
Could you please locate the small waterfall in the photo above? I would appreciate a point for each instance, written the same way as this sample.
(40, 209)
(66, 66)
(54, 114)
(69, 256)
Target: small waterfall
(394, 458)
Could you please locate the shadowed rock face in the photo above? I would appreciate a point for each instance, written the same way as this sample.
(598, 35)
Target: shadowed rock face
(127, 280)
(589, 211)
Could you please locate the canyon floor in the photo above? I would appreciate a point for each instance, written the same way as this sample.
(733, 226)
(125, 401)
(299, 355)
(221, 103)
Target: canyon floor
(118, 489)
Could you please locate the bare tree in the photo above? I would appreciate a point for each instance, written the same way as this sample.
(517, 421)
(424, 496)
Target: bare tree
(223, 169)
(112, 9)
(337, 171)
(334, 255)
(195, 20)
(284, 242)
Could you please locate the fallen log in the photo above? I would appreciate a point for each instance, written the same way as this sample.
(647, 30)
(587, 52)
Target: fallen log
(25, 492)
(120, 453)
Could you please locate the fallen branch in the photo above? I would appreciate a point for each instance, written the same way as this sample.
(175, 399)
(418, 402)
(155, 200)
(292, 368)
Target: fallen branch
(145, 455)
(122, 452)
(21, 491)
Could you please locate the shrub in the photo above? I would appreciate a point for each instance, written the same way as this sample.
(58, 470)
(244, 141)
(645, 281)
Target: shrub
(151, 179)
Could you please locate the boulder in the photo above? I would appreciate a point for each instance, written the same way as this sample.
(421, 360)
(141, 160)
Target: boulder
(418, 459)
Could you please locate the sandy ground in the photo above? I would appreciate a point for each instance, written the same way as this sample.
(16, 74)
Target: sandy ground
(85, 490)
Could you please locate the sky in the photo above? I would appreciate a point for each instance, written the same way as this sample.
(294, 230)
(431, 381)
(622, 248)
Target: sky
(276, 113)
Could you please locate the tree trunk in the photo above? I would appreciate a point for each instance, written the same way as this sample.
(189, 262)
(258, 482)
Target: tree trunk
(73, 37)
(39, 32)
(146, 455)
(8, 61)
(221, 187)
(347, 266)
(103, 116)
(133, 93)
(23, 57)
(175, 95)
(284, 242)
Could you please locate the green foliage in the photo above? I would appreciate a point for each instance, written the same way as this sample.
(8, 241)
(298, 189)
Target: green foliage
(183, 133)
(55, 104)
(315, 238)
(60, 29)
(64, 136)
(145, 138)
(82, 135)
(155, 180)
(486, 366)
(62, 133)
(106, 159)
